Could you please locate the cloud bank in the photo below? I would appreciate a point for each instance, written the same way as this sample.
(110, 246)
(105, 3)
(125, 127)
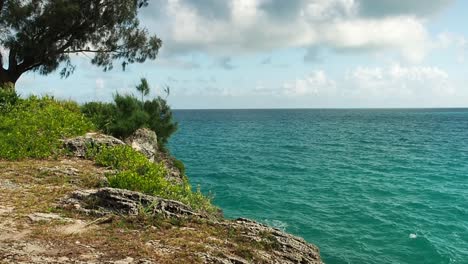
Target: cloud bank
(232, 27)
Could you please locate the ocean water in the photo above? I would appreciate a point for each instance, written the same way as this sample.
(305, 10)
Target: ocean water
(365, 186)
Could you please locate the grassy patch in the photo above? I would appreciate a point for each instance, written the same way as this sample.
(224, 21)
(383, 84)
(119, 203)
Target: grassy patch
(32, 128)
(137, 173)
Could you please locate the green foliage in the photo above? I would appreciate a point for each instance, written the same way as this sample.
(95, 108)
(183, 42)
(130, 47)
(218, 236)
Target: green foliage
(143, 88)
(42, 35)
(127, 114)
(137, 173)
(32, 128)
(160, 119)
(100, 114)
(128, 117)
(179, 165)
(8, 97)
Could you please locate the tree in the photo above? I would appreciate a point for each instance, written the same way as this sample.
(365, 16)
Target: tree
(143, 88)
(42, 35)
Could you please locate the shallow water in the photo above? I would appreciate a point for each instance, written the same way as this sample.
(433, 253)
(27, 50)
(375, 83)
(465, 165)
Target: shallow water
(366, 186)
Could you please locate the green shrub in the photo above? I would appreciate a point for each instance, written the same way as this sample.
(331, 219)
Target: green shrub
(137, 173)
(100, 114)
(160, 119)
(128, 113)
(8, 98)
(179, 165)
(32, 128)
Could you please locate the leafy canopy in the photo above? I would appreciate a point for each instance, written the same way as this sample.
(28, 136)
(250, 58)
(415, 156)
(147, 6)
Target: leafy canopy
(41, 35)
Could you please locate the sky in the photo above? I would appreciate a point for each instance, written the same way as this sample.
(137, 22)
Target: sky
(289, 54)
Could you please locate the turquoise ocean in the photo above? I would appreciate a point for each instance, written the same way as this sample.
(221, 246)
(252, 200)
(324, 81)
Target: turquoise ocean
(365, 186)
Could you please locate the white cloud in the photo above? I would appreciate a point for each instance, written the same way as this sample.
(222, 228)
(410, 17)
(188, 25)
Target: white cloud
(315, 83)
(387, 86)
(244, 26)
(400, 81)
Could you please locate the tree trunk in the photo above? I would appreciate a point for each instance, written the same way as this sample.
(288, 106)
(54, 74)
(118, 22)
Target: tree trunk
(7, 79)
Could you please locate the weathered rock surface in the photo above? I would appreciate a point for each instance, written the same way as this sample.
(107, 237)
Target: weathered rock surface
(146, 141)
(45, 217)
(286, 248)
(117, 201)
(143, 140)
(79, 146)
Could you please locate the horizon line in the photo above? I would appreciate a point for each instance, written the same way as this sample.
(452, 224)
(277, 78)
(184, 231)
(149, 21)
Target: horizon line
(329, 108)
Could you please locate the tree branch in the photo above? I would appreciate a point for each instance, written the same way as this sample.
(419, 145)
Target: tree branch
(27, 65)
(32, 67)
(90, 51)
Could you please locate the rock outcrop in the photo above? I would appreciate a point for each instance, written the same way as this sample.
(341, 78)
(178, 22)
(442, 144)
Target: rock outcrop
(106, 201)
(252, 242)
(285, 248)
(79, 146)
(109, 225)
(146, 141)
(143, 140)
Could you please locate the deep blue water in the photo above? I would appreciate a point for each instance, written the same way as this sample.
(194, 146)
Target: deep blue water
(366, 186)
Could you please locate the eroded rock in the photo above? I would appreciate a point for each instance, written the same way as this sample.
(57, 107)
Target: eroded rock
(79, 146)
(146, 141)
(110, 200)
(285, 248)
(45, 217)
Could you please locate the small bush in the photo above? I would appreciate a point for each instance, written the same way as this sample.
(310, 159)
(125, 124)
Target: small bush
(137, 173)
(100, 114)
(32, 128)
(8, 98)
(128, 113)
(179, 165)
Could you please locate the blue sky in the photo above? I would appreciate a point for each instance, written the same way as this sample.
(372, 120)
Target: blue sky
(290, 54)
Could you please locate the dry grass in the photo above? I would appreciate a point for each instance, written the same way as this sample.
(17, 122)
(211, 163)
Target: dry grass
(36, 185)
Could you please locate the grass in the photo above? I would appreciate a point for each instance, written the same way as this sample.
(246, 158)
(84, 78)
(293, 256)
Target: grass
(144, 236)
(137, 173)
(33, 127)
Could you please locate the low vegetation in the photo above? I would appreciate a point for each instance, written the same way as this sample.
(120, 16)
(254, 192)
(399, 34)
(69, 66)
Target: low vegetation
(33, 127)
(135, 172)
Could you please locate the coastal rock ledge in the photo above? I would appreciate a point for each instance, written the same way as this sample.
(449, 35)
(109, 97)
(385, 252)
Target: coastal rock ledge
(57, 211)
(283, 248)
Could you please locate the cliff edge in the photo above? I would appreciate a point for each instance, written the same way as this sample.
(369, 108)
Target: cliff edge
(62, 211)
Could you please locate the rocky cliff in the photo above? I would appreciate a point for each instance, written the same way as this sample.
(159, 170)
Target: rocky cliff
(57, 211)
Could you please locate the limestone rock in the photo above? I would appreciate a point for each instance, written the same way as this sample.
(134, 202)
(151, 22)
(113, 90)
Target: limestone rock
(80, 145)
(45, 217)
(286, 248)
(60, 170)
(145, 141)
(109, 200)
